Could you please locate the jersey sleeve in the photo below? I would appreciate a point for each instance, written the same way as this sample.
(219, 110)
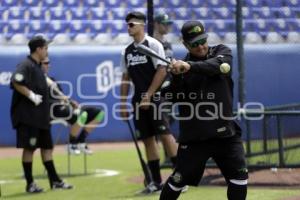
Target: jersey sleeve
(123, 63)
(211, 66)
(21, 75)
(158, 48)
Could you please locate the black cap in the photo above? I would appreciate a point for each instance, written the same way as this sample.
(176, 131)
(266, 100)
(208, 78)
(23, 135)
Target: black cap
(163, 19)
(192, 31)
(37, 41)
(136, 15)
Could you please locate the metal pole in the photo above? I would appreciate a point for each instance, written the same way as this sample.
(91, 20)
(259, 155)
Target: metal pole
(280, 142)
(150, 11)
(265, 134)
(85, 163)
(248, 137)
(240, 51)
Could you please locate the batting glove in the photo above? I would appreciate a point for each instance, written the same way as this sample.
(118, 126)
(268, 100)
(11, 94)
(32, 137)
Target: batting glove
(35, 98)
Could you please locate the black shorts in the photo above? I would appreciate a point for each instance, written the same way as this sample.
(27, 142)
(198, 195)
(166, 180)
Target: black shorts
(91, 111)
(148, 125)
(66, 112)
(228, 154)
(29, 137)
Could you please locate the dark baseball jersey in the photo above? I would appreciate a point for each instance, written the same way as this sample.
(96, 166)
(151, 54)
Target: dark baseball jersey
(141, 68)
(210, 92)
(168, 49)
(23, 110)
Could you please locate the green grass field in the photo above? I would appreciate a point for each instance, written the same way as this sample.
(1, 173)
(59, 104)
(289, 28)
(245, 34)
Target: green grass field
(118, 187)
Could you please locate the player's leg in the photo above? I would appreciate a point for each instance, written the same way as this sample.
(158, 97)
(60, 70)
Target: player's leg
(27, 140)
(232, 164)
(162, 128)
(189, 170)
(146, 132)
(75, 120)
(46, 145)
(94, 117)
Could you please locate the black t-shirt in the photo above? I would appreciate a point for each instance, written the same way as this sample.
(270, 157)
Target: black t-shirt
(23, 110)
(168, 49)
(210, 92)
(141, 68)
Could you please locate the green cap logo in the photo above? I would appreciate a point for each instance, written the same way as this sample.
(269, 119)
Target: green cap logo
(196, 29)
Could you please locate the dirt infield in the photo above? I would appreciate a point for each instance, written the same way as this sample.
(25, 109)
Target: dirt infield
(9, 152)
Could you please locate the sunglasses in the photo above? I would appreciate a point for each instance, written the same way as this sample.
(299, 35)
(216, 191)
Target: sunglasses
(197, 43)
(132, 24)
(46, 63)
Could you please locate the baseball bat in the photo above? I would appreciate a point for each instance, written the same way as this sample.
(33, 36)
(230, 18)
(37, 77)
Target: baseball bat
(146, 171)
(149, 52)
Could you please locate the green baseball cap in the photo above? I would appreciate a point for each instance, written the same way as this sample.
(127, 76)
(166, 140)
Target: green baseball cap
(163, 19)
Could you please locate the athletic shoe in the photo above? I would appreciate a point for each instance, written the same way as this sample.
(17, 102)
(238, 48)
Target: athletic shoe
(33, 188)
(83, 147)
(185, 189)
(73, 149)
(151, 189)
(61, 185)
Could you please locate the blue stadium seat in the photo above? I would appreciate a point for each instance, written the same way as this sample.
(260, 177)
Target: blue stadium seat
(195, 3)
(209, 25)
(202, 13)
(9, 3)
(292, 3)
(284, 12)
(16, 13)
(273, 3)
(81, 13)
(99, 13)
(30, 3)
(294, 24)
(2, 13)
(91, 3)
(253, 3)
(37, 13)
(264, 13)
(119, 13)
(58, 13)
(3, 24)
(15, 26)
(230, 3)
(247, 13)
(35, 27)
(249, 25)
(215, 3)
(71, 3)
(158, 3)
(97, 26)
(175, 4)
(50, 3)
(278, 25)
(119, 26)
(182, 13)
(112, 3)
(135, 3)
(78, 26)
(223, 13)
(262, 26)
(219, 26)
(57, 26)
